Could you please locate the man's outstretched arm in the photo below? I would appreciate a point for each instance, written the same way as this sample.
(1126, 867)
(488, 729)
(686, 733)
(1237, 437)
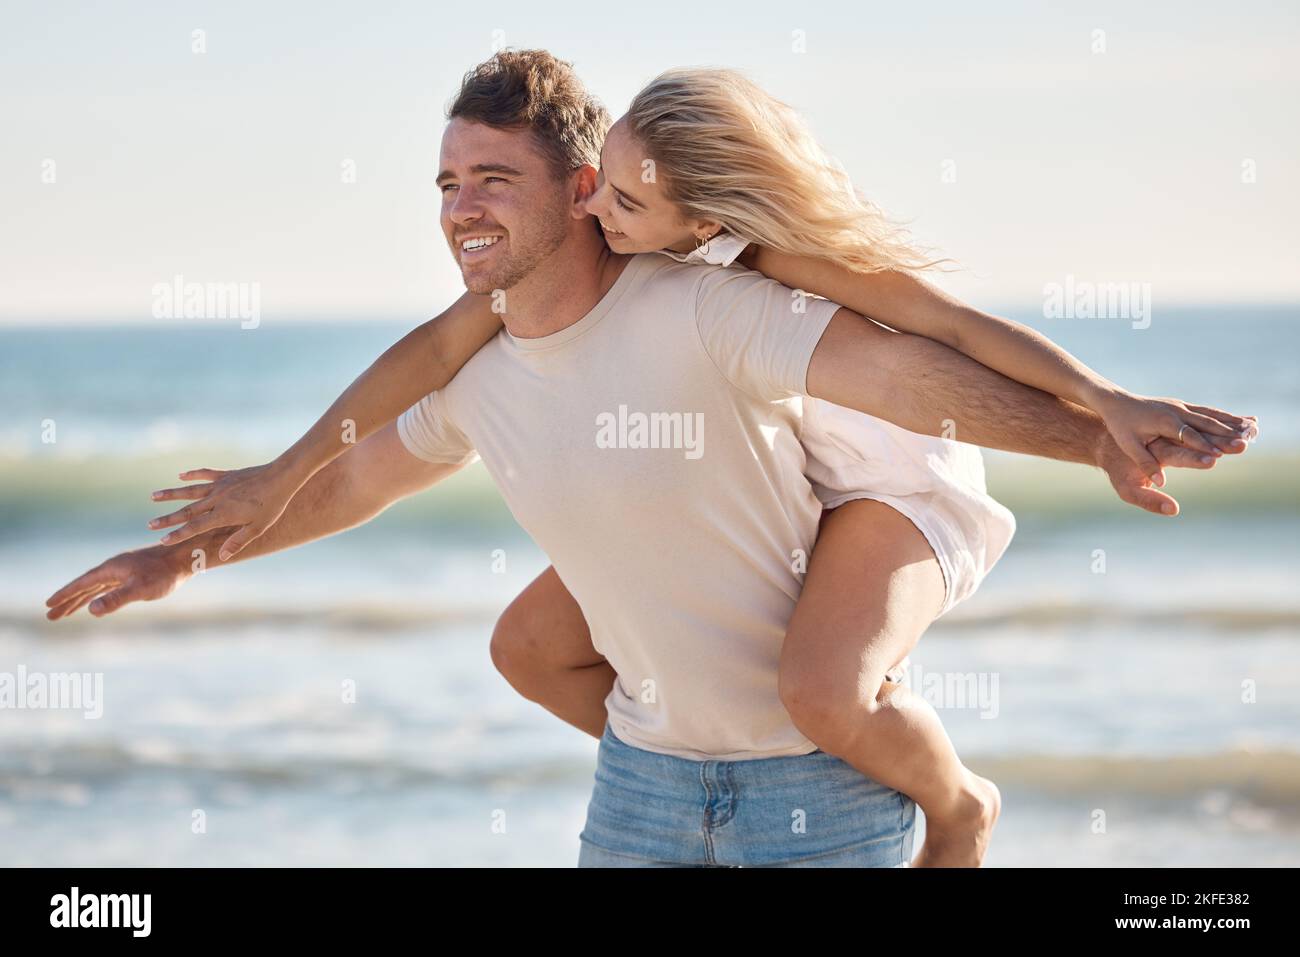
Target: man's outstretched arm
(350, 491)
(929, 388)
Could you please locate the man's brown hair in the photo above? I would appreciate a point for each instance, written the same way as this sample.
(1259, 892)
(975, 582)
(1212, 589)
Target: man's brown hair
(531, 89)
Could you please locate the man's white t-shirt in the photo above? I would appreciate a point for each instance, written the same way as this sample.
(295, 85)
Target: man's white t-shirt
(644, 448)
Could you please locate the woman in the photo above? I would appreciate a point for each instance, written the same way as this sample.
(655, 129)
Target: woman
(706, 166)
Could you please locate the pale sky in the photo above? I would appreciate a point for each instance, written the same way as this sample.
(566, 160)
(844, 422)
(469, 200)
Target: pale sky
(1117, 166)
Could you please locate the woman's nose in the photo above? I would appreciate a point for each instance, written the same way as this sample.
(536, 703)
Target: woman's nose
(596, 204)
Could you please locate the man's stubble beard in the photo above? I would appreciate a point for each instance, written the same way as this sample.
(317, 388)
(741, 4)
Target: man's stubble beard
(553, 230)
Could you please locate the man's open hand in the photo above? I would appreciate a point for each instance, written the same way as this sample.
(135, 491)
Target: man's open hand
(145, 574)
(1131, 485)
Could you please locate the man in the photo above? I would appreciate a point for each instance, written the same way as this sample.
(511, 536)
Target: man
(681, 551)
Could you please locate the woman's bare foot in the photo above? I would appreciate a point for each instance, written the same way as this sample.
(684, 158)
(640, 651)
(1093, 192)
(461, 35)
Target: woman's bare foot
(960, 838)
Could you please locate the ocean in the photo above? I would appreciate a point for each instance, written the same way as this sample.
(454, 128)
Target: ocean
(1134, 680)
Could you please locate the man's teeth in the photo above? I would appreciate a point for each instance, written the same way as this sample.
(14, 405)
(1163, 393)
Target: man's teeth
(481, 243)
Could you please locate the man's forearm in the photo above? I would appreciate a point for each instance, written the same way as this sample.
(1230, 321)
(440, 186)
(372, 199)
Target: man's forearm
(927, 387)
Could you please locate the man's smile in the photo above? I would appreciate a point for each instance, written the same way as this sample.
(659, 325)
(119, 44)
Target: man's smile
(477, 247)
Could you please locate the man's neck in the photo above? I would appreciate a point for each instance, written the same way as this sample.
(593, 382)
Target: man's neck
(563, 288)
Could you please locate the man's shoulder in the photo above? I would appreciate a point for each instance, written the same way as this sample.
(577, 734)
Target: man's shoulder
(699, 281)
(725, 290)
(664, 284)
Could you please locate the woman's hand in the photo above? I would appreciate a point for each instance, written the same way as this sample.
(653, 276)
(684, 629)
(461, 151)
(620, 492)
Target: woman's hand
(1134, 421)
(251, 498)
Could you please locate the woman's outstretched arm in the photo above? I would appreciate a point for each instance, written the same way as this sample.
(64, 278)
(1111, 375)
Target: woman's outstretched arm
(904, 301)
(424, 360)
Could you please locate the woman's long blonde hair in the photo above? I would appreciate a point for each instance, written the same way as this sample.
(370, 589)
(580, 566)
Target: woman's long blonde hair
(726, 150)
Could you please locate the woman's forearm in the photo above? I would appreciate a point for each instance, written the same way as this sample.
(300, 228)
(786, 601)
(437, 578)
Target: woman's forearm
(1024, 354)
(909, 304)
(423, 360)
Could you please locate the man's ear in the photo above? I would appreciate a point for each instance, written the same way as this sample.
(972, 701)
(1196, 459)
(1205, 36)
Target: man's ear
(584, 185)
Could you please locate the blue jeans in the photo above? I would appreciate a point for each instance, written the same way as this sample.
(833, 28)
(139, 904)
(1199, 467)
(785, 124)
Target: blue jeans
(810, 810)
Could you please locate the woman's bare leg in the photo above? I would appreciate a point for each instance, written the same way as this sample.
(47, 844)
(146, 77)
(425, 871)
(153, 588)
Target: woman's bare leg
(873, 586)
(542, 645)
